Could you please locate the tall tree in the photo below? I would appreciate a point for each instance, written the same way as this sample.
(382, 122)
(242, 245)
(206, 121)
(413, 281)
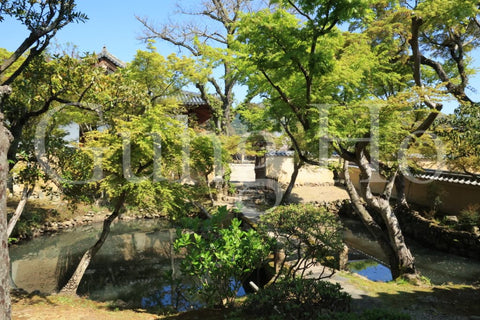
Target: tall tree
(140, 149)
(42, 19)
(209, 40)
(358, 85)
(452, 31)
(45, 83)
(461, 132)
(135, 170)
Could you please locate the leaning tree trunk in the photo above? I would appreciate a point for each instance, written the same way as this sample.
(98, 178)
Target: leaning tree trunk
(381, 204)
(27, 191)
(293, 179)
(390, 237)
(372, 226)
(72, 285)
(5, 303)
(400, 187)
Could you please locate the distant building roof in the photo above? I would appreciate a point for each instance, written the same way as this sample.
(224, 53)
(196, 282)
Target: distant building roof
(448, 176)
(109, 61)
(280, 153)
(194, 103)
(188, 98)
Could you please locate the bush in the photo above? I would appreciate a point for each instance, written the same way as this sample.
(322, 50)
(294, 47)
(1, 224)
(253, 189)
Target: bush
(297, 299)
(220, 259)
(469, 217)
(306, 233)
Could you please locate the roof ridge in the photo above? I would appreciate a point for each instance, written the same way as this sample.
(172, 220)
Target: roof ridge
(106, 54)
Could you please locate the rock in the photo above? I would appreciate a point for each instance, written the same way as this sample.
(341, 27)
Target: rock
(476, 231)
(120, 303)
(451, 219)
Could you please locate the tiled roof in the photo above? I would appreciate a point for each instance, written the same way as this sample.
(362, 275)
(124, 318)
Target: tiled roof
(188, 98)
(280, 153)
(447, 176)
(107, 55)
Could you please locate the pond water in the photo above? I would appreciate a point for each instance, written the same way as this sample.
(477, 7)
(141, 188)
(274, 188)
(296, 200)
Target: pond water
(134, 266)
(438, 266)
(136, 263)
(370, 269)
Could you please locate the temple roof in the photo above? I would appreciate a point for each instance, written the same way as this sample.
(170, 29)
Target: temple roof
(104, 54)
(188, 98)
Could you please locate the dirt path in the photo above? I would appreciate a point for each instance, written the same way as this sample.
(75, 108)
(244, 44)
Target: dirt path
(318, 194)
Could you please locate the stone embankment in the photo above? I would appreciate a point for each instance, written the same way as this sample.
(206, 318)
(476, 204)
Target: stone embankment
(428, 232)
(440, 237)
(90, 217)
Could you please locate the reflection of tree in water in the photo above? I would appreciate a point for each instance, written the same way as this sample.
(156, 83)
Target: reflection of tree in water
(361, 265)
(68, 258)
(136, 268)
(137, 265)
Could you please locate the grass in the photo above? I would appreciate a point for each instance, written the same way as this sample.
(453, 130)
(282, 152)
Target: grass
(447, 298)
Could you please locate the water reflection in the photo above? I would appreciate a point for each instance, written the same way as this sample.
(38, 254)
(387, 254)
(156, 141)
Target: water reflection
(370, 269)
(136, 260)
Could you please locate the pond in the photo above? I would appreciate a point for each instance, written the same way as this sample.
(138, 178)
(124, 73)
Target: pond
(438, 266)
(136, 263)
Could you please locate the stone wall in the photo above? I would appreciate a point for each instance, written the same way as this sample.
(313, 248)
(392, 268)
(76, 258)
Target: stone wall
(466, 244)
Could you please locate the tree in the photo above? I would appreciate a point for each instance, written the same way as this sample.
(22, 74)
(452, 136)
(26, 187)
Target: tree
(134, 169)
(139, 149)
(47, 83)
(452, 32)
(49, 80)
(348, 90)
(42, 19)
(461, 132)
(210, 44)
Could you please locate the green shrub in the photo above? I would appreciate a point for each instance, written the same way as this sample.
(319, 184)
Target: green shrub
(308, 235)
(297, 299)
(220, 259)
(469, 217)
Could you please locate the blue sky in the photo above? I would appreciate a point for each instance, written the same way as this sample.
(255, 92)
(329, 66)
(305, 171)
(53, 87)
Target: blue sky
(113, 24)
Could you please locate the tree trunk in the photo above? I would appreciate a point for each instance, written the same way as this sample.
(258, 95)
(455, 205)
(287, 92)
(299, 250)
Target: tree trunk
(372, 226)
(5, 303)
(27, 191)
(381, 204)
(293, 179)
(400, 188)
(72, 285)
(406, 262)
(391, 238)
